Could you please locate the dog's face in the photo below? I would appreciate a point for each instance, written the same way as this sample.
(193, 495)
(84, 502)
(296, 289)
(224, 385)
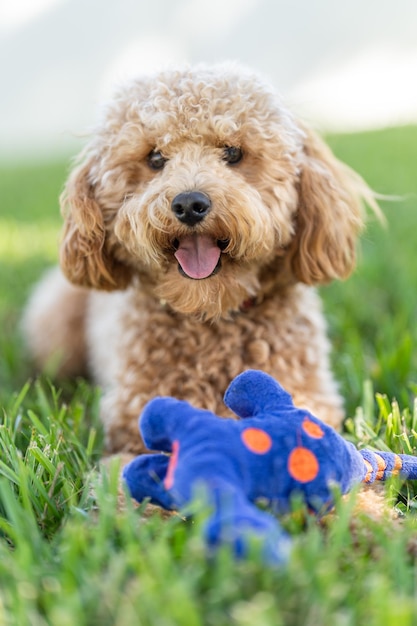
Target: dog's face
(202, 184)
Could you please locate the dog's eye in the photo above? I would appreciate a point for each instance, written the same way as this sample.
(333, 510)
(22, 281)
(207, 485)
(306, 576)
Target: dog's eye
(232, 154)
(155, 160)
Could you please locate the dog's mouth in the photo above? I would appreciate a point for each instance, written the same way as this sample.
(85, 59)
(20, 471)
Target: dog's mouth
(199, 256)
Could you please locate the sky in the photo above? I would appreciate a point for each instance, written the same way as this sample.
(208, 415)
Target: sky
(340, 65)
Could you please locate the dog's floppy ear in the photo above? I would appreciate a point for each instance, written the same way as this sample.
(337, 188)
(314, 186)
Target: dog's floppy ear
(84, 256)
(329, 217)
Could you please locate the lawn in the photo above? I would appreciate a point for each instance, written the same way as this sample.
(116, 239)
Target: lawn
(68, 556)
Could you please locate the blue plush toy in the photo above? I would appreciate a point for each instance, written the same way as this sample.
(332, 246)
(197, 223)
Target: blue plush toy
(273, 452)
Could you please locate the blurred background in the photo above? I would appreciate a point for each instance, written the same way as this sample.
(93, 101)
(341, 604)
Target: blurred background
(349, 68)
(341, 65)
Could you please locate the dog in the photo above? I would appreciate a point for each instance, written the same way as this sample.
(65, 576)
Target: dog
(198, 222)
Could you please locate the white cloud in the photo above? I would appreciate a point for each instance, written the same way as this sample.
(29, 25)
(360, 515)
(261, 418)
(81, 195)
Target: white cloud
(204, 17)
(16, 13)
(375, 88)
(141, 57)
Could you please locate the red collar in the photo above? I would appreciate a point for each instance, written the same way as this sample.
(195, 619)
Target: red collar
(247, 304)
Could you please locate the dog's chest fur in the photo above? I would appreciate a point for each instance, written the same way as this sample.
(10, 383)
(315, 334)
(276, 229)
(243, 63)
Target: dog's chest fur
(149, 350)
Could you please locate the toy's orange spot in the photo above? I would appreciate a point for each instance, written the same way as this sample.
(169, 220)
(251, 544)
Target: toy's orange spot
(173, 462)
(369, 471)
(303, 465)
(382, 466)
(257, 440)
(312, 429)
(398, 465)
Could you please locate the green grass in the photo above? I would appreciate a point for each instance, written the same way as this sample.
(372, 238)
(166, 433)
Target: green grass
(68, 556)
(373, 315)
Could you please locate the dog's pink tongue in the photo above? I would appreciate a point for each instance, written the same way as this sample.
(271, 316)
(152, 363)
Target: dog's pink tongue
(198, 256)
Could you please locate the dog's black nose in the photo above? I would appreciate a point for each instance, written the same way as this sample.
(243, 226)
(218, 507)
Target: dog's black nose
(191, 207)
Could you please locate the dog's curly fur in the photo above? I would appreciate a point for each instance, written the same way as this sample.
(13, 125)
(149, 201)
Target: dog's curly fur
(280, 214)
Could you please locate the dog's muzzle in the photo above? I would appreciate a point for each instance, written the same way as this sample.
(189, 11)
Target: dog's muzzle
(198, 254)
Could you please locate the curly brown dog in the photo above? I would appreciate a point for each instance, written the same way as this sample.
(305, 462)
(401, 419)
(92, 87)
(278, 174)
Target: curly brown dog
(198, 221)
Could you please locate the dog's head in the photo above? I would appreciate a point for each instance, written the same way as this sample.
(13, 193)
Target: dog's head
(200, 184)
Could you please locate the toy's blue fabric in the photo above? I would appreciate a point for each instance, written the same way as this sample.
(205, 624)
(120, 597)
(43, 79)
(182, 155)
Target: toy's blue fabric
(275, 450)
